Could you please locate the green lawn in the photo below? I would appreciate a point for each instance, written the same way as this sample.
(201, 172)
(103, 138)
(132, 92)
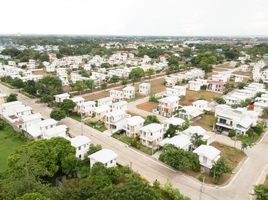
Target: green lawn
(133, 142)
(10, 140)
(98, 125)
(75, 116)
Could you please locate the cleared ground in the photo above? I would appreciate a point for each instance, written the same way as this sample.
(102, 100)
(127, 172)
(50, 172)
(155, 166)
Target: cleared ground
(147, 106)
(192, 96)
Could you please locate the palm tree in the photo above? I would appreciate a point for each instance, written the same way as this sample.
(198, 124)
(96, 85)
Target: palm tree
(197, 140)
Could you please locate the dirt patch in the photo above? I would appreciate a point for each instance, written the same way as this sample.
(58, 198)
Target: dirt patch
(192, 96)
(96, 96)
(147, 106)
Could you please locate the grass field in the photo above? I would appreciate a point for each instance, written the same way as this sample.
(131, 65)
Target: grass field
(192, 96)
(10, 140)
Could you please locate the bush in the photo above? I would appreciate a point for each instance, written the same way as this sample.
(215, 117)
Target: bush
(57, 114)
(2, 125)
(153, 99)
(12, 97)
(231, 133)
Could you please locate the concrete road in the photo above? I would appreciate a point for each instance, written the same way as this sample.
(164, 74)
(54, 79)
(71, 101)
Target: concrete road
(238, 188)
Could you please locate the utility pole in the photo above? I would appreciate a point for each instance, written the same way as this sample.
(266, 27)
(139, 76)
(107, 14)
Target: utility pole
(201, 188)
(82, 127)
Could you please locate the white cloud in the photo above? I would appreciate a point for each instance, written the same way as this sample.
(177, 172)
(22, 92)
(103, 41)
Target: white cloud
(135, 17)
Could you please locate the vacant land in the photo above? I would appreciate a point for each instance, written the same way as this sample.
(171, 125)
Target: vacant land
(249, 74)
(147, 106)
(192, 96)
(233, 155)
(96, 95)
(206, 121)
(10, 140)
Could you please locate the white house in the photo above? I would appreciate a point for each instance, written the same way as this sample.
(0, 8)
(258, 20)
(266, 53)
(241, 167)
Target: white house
(151, 135)
(239, 119)
(115, 120)
(176, 91)
(168, 105)
(189, 112)
(201, 105)
(129, 92)
(133, 125)
(196, 85)
(117, 95)
(78, 100)
(120, 105)
(208, 156)
(86, 108)
(238, 78)
(176, 121)
(179, 141)
(105, 156)
(60, 97)
(30, 120)
(101, 111)
(145, 88)
(57, 131)
(81, 144)
(106, 101)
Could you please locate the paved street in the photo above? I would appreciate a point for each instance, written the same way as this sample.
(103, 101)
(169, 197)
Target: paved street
(238, 188)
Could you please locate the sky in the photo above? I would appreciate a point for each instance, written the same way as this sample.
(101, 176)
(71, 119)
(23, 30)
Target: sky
(135, 17)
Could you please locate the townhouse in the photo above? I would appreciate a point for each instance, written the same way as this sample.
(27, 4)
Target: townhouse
(176, 91)
(145, 88)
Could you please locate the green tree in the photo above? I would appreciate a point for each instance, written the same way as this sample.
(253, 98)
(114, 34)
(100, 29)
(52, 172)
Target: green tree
(49, 85)
(219, 169)
(151, 119)
(172, 129)
(94, 148)
(57, 114)
(30, 87)
(114, 79)
(136, 74)
(179, 159)
(197, 140)
(43, 159)
(67, 106)
(12, 97)
(79, 86)
(32, 196)
(219, 100)
(17, 83)
(150, 72)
